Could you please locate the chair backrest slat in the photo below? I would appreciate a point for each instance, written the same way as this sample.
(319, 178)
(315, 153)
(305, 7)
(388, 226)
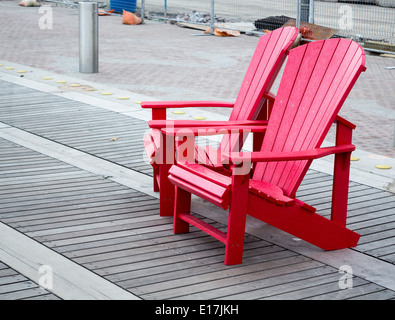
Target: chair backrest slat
(265, 64)
(264, 67)
(314, 86)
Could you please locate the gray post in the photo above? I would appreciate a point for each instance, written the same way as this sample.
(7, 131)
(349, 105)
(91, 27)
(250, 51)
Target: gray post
(212, 13)
(311, 12)
(298, 13)
(304, 10)
(142, 10)
(89, 37)
(165, 11)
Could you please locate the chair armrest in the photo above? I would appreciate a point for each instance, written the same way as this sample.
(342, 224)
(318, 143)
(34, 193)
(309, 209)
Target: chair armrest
(184, 104)
(210, 131)
(159, 124)
(345, 122)
(288, 156)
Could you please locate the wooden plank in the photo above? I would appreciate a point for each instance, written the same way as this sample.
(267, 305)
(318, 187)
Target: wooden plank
(46, 177)
(10, 164)
(379, 226)
(111, 234)
(146, 283)
(3, 266)
(372, 246)
(6, 271)
(371, 202)
(37, 293)
(91, 196)
(382, 235)
(143, 247)
(30, 191)
(98, 123)
(192, 283)
(386, 251)
(117, 246)
(377, 295)
(105, 244)
(70, 208)
(18, 286)
(359, 202)
(325, 192)
(87, 115)
(371, 217)
(214, 261)
(146, 207)
(321, 286)
(101, 230)
(34, 172)
(95, 138)
(104, 214)
(357, 197)
(203, 287)
(142, 256)
(367, 211)
(318, 182)
(389, 257)
(11, 279)
(43, 297)
(42, 185)
(96, 228)
(213, 255)
(271, 285)
(84, 222)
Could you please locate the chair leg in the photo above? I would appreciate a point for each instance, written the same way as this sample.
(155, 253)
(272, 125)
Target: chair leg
(166, 188)
(182, 205)
(237, 220)
(155, 174)
(235, 238)
(340, 189)
(166, 192)
(341, 176)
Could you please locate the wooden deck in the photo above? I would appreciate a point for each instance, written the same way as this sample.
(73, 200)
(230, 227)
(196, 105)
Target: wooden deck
(115, 231)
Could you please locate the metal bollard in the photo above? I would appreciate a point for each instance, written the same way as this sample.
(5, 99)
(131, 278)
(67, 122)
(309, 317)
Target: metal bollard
(311, 11)
(298, 13)
(89, 37)
(212, 15)
(305, 10)
(142, 10)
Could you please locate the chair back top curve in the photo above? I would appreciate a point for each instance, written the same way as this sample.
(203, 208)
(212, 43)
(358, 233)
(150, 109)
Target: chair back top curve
(265, 64)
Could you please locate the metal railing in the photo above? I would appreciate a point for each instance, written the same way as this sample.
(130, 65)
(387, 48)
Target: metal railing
(370, 22)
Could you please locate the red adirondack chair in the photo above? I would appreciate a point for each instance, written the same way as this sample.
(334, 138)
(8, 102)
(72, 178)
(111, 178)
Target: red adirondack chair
(315, 83)
(251, 104)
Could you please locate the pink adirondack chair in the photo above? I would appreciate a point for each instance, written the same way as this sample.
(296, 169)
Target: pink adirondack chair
(315, 83)
(253, 102)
